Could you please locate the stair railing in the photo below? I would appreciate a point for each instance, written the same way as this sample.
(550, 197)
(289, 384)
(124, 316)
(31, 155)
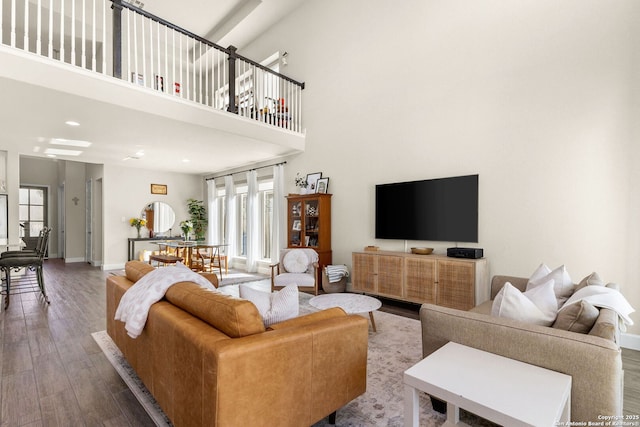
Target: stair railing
(131, 44)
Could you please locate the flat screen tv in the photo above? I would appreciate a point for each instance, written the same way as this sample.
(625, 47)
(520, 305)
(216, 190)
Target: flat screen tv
(443, 209)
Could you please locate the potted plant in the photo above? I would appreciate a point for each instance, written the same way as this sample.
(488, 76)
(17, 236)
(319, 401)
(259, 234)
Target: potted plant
(198, 213)
(186, 226)
(301, 183)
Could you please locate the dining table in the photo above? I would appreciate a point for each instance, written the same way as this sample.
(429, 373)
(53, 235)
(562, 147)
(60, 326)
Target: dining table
(186, 248)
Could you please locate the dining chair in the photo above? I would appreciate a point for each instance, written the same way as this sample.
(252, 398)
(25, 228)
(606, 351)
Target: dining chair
(29, 262)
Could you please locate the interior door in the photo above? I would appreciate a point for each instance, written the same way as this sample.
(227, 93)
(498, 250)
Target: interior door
(88, 244)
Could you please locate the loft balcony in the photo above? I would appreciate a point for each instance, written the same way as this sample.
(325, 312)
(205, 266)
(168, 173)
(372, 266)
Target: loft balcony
(139, 81)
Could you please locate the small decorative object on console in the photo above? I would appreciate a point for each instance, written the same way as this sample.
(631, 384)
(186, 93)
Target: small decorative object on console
(422, 251)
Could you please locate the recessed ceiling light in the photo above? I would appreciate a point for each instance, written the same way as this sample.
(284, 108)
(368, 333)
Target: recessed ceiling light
(70, 142)
(36, 149)
(72, 123)
(51, 155)
(140, 153)
(61, 152)
(185, 160)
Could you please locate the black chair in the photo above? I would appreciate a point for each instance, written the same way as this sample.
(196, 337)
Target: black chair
(30, 262)
(44, 232)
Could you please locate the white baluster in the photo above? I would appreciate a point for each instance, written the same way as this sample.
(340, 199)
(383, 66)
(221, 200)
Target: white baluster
(173, 62)
(73, 32)
(144, 53)
(13, 23)
(1, 19)
(166, 60)
(26, 26)
(84, 35)
(93, 37)
(135, 47)
(38, 29)
(50, 47)
(160, 78)
(104, 38)
(206, 74)
(129, 44)
(182, 88)
(151, 71)
(61, 30)
(187, 71)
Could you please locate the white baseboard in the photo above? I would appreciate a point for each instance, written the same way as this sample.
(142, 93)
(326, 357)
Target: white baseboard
(107, 267)
(71, 260)
(630, 341)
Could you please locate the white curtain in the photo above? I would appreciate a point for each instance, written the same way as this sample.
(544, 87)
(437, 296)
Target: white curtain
(279, 232)
(230, 219)
(213, 233)
(253, 222)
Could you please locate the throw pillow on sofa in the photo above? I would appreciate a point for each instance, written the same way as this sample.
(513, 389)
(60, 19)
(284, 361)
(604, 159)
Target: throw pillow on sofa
(273, 307)
(537, 306)
(591, 280)
(563, 287)
(579, 317)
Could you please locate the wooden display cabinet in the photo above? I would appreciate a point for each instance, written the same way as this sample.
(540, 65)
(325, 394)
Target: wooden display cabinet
(309, 224)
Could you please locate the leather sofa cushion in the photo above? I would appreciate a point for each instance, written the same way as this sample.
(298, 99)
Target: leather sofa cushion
(135, 270)
(233, 316)
(308, 319)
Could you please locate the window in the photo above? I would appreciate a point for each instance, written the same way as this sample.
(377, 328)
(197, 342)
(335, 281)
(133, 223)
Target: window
(32, 208)
(265, 210)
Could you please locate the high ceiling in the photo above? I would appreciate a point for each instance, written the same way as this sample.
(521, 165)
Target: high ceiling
(40, 96)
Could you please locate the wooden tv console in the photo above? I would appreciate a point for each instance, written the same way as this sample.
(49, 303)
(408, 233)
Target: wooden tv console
(450, 282)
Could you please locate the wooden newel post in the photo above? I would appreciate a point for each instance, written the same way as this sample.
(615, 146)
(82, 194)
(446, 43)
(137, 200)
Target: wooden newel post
(233, 107)
(117, 38)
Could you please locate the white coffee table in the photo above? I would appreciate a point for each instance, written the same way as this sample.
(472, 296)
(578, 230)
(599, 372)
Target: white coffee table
(350, 303)
(502, 390)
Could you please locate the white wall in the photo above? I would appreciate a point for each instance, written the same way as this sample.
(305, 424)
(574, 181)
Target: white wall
(532, 95)
(126, 191)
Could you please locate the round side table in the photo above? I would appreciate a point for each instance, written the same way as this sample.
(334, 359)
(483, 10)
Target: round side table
(350, 303)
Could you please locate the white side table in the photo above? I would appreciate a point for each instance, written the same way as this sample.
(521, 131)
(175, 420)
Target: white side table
(497, 388)
(350, 303)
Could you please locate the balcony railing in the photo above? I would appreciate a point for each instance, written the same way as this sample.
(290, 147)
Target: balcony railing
(115, 38)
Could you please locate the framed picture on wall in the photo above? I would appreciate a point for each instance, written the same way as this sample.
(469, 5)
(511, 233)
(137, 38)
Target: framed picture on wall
(159, 189)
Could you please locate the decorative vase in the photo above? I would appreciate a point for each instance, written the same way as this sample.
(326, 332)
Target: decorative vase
(138, 228)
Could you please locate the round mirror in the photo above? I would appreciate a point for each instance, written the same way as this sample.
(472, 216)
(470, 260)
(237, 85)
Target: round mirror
(160, 217)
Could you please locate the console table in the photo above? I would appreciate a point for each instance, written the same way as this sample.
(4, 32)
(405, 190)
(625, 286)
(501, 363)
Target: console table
(450, 282)
(502, 390)
(133, 240)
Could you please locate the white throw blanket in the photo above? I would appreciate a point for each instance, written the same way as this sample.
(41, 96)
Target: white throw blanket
(601, 296)
(336, 272)
(138, 299)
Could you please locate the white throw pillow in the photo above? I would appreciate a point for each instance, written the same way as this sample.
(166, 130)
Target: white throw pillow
(537, 306)
(563, 283)
(295, 261)
(273, 307)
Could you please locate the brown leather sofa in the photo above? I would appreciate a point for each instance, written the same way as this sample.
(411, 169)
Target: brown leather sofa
(208, 360)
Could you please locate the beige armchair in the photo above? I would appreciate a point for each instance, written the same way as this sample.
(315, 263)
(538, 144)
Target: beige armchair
(298, 266)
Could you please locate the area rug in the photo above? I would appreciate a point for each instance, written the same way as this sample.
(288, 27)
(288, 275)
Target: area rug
(395, 347)
(233, 277)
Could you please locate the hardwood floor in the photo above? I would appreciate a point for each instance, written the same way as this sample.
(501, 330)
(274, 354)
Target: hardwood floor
(54, 374)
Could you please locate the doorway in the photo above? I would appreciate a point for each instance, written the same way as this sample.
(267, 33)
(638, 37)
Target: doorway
(33, 205)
